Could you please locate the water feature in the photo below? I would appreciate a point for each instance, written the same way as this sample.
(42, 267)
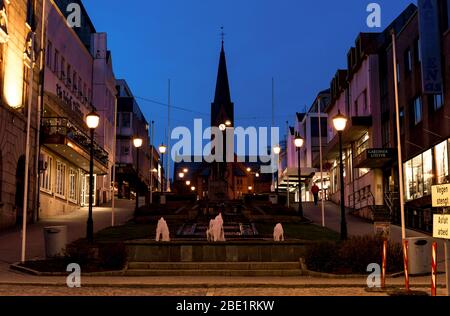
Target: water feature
(278, 233)
(162, 231)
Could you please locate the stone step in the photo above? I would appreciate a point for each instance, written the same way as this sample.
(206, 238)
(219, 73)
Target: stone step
(229, 273)
(213, 265)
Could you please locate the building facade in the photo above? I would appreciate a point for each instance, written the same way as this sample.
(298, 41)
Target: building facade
(20, 42)
(307, 125)
(78, 79)
(131, 123)
(424, 112)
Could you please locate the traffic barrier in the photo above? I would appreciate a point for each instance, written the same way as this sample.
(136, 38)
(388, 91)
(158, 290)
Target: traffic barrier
(434, 270)
(405, 260)
(383, 265)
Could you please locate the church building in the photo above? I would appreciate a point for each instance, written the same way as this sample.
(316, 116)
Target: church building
(221, 181)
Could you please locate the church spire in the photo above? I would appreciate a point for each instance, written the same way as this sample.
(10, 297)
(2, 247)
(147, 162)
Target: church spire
(222, 95)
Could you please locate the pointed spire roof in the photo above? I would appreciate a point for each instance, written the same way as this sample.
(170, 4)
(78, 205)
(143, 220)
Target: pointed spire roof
(223, 95)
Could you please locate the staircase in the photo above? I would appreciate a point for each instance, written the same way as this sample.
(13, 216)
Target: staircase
(235, 269)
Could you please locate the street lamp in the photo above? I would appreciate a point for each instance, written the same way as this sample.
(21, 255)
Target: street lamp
(277, 151)
(181, 175)
(92, 122)
(162, 151)
(185, 170)
(188, 183)
(340, 123)
(137, 142)
(299, 142)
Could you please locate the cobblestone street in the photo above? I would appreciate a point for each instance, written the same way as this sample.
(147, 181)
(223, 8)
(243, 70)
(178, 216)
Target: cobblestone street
(37, 290)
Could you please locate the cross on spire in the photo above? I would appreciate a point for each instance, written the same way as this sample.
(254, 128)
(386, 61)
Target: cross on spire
(222, 34)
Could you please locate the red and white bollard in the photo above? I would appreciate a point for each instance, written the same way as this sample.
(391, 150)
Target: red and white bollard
(405, 260)
(434, 270)
(383, 265)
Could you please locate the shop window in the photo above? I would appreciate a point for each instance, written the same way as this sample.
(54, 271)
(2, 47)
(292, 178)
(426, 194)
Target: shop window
(73, 186)
(419, 175)
(441, 156)
(60, 179)
(46, 184)
(427, 172)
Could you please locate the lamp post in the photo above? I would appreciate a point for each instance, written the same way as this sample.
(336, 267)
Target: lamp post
(277, 151)
(162, 151)
(92, 122)
(340, 123)
(299, 142)
(137, 142)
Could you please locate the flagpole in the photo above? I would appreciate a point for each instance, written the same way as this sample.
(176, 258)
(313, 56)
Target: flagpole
(321, 160)
(168, 140)
(113, 180)
(399, 143)
(27, 150)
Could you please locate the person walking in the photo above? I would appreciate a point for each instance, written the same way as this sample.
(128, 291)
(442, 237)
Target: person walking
(315, 192)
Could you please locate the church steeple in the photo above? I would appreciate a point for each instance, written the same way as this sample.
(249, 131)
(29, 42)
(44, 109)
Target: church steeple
(223, 95)
(222, 109)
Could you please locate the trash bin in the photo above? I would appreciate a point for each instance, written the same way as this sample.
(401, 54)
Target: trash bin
(419, 255)
(55, 241)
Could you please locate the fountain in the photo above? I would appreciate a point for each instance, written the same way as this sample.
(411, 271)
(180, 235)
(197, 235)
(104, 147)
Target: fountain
(215, 232)
(278, 233)
(162, 231)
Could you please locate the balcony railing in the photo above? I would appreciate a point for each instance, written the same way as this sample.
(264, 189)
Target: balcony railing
(59, 127)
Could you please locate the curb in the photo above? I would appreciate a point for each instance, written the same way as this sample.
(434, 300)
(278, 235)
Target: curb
(18, 268)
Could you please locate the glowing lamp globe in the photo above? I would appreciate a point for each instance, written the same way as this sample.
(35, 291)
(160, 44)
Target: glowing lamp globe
(277, 150)
(92, 120)
(137, 142)
(340, 122)
(299, 141)
(162, 149)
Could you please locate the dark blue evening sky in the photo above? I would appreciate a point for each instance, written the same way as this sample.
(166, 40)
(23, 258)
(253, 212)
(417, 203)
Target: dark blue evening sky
(299, 43)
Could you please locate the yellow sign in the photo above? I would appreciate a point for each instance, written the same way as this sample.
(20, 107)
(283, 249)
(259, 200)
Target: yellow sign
(441, 195)
(441, 226)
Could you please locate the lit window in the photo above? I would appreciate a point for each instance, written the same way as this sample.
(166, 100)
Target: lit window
(46, 183)
(73, 186)
(60, 189)
(441, 156)
(438, 101)
(417, 107)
